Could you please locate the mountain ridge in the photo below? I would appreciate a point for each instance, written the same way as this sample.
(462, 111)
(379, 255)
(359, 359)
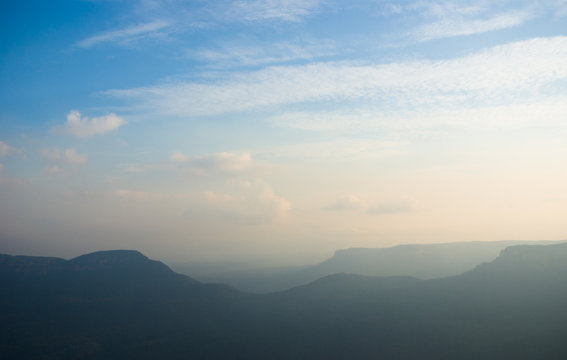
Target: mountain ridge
(507, 310)
(424, 261)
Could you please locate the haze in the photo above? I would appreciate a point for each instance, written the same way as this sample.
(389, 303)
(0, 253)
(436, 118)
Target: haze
(279, 131)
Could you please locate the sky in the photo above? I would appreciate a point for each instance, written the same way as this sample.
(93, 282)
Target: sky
(279, 131)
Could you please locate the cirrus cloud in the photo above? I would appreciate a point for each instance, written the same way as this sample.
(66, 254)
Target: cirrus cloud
(488, 76)
(125, 35)
(264, 10)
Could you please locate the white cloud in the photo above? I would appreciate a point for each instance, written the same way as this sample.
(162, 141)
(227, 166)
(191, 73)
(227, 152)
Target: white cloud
(1, 167)
(126, 35)
(250, 203)
(264, 10)
(347, 202)
(69, 156)
(73, 157)
(241, 202)
(491, 75)
(224, 162)
(84, 126)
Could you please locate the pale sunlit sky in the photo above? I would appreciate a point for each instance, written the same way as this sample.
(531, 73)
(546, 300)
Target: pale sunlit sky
(279, 130)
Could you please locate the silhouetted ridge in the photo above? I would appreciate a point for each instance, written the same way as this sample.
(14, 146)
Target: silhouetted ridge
(30, 264)
(115, 256)
(117, 259)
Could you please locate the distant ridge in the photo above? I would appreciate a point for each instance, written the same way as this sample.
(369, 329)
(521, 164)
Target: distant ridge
(533, 259)
(422, 261)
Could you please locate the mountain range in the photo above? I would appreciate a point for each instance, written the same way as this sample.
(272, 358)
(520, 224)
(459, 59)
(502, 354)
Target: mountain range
(422, 261)
(122, 305)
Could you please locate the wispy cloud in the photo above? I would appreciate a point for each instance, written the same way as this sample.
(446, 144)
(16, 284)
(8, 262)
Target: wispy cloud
(83, 126)
(550, 111)
(451, 18)
(331, 120)
(347, 202)
(177, 17)
(560, 8)
(126, 35)
(337, 150)
(454, 26)
(485, 76)
(264, 10)
(246, 54)
(224, 162)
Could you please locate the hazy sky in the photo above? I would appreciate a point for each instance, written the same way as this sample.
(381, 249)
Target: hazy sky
(280, 129)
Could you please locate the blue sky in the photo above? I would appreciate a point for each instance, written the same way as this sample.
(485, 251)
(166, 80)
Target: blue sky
(279, 130)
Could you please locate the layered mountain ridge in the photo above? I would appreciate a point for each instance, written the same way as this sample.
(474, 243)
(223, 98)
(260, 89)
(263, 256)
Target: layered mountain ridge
(121, 305)
(423, 261)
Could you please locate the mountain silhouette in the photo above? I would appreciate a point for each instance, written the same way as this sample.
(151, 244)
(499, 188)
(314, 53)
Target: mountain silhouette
(121, 305)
